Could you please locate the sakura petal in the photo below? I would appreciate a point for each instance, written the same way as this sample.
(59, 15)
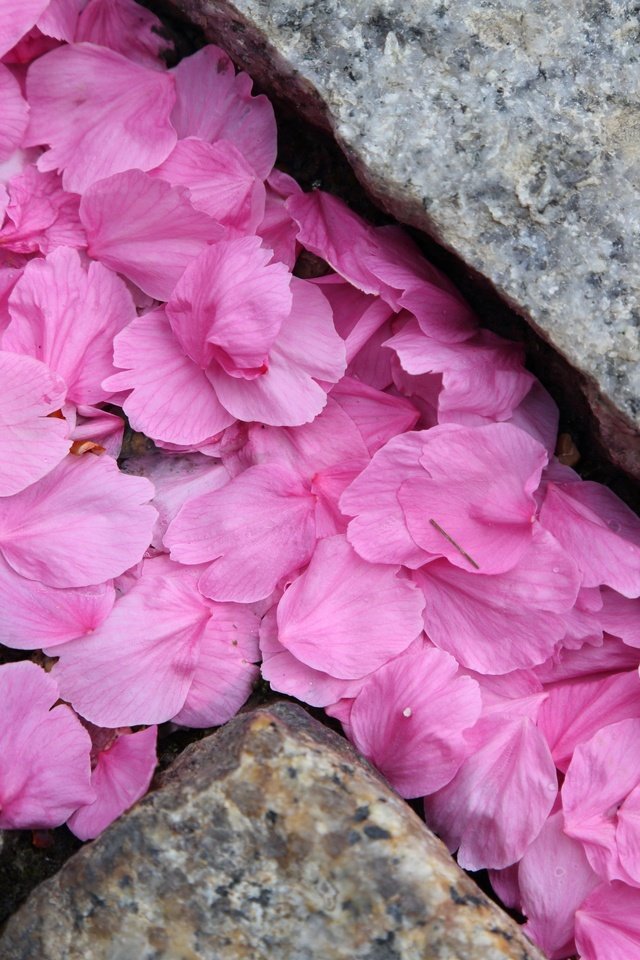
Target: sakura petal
(99, 113)
(44, 752)
(67, 316)
(608, 923)
(378, 416)
(620, 616)
(409, 720)
(498, 801)
(145, 229)
(598, 530)
(122, 775)
(138, 666)
(265, 512)
(123, 26)
(212, 103)
(277, 229)
(16, 18)
(171, 399)
(31, 442)
(347, 617)
(33, 615)
(60, 19)
(628, 834)
(83, 523)
(224, 675)
(14, 113)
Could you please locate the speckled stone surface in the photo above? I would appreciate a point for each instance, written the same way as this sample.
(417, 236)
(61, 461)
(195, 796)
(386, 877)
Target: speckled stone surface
(507, 129)
(268, 840)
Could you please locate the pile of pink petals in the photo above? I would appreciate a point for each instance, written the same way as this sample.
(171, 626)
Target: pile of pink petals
(352, 489)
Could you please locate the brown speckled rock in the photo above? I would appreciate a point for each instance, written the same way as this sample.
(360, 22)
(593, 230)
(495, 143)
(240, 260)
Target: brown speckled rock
(269, 841)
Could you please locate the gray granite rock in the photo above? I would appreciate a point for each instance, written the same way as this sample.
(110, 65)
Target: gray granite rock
(507, 129)
(269, 840)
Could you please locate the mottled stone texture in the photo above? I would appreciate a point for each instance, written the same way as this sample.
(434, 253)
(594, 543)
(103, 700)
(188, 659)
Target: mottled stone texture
(269, 840)
(507, 129)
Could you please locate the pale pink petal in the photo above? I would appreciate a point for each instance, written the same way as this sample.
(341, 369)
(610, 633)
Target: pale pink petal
(476, 490)
(226, 671)
(229, 306)
(505, 883)
(409, 720)
(171, 399)
(121, 776)
(40, 214)
(538, 415)
(33, 615)
(608, 923)
(441, 314)
(176, 480)
(31, 442)
(378, 416)
(288, 675)
(574, 712)
(212, 103)
(602, 772)
(398, 264)
(67, 316)
(256, 529)
(60, 19)
(495, 624)
(599, 531)
(582, 623)
(84, 523)
(16, 18)
(221, 183)
(483, 377)
(620, 616)
(628, 835)
(44, 753)
(347, 617)
(357, 316)
(554, 877)
(498, 801)
(14, 113)
(277, 229)
(99, 113)
(123, 26)
(568, 664)
(378, 531)
(138, 666)
(308, 338)
(145, 229)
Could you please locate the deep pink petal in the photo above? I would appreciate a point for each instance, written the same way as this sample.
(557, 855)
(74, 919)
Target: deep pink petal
(378, 416)
(121, 776)
(44, 753)
(14, 113)
(171, 399)
(84, 523)
(495, 624)
(99, 113)
(40, 215)
(345, 616)
(16, 18)
(277, 229)
(212, 103)
(498, 801)
(60, 19)
(628, 834)
(565, 664)
(538, 415)
(256, 529)
(31, 442)
(409, 720)
(145, 229)
(123, 26)
(599, 531)
(67, 317)
(620, 616)
(608, 923)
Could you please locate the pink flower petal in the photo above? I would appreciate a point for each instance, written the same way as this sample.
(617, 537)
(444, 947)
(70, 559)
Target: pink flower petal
(225, 672)
(44, 753)
(99, 113)
(565, 664)
(33, 615)
(347, 617)
(620, 616)
(495, 624)
(122, 775)
(60, 19)
(608, 923)
(498, 801)
(599, 531)
(277, 229)
(409, 720)
(221, 183)
(14, 113)
(378, 416)
(628, 835)
(123, 26)
(84, 523)
(538, 415)
(229, 305)
(67, 317)
(212, 103)
(31, 442)
(138, 666)
(266, 512)
(171, 399)
(476, 490)
(554, 877)
(101, 427)
(145, 229)
(16, 18)
(40, 215)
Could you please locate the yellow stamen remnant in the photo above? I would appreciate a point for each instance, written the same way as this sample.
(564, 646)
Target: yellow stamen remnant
(78, 447)
(454, 544)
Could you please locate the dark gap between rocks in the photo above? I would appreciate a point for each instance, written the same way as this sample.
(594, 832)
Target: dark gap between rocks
(312, 157)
